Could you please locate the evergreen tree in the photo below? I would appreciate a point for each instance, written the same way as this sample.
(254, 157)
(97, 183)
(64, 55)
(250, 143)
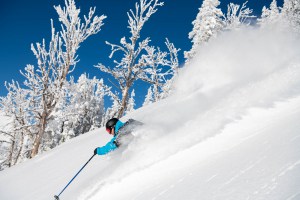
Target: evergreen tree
(149, 97)
(167, 87)
(206, 25)
(270, 15)
(114, 109)
(291, 13)
(80, 110)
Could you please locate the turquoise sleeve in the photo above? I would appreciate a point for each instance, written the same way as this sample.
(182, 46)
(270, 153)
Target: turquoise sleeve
(110, 146)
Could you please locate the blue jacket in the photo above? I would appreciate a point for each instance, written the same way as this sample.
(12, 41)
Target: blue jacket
(111, 145)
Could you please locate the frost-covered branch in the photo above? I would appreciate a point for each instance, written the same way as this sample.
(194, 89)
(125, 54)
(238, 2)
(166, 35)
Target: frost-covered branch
(173, 52)
(237, 15)
(137, 19)
(115, 48)
(6, 134)
(73, 31)
(162, 66)
(132, 63)
(3, 141)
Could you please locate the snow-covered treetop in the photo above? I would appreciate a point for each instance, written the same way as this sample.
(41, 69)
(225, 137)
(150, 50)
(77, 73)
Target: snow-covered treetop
(237, 15)
(137, 19)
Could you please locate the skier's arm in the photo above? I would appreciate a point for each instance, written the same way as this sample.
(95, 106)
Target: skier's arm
(110, 146)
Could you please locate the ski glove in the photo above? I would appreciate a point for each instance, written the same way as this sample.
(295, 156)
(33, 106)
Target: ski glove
(95, 151)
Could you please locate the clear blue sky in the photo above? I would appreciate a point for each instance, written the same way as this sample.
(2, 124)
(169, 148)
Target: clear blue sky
(24, 22)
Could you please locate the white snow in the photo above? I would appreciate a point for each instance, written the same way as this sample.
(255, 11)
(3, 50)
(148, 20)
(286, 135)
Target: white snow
(230, 131)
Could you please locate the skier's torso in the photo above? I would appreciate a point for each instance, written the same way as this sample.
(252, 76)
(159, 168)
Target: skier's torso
(124, 132)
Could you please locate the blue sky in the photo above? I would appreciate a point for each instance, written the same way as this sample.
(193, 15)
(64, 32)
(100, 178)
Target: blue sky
(25, 22)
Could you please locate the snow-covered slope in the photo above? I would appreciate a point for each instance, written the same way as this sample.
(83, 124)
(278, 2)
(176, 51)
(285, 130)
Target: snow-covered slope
(230, 131)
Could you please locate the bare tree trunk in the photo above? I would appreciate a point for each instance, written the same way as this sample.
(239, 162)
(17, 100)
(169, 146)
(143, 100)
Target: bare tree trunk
(38, 139)
(11, 152)
(20, 150)
(124, 101)
(156, 91)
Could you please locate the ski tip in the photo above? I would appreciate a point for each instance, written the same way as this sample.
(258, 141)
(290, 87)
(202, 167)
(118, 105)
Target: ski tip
(56, 197)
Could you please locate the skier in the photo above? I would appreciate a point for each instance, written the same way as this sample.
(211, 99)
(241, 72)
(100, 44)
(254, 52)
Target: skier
(121, 134)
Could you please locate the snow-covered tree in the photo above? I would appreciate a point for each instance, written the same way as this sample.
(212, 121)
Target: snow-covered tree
(132, 64)
(113, 110)
(270, 15)
(162, 67)
(149, 97)
(80, 110)
(55, 62)
(206, 25)
(88, 102)
(165, 90)
(16, 107)
(291, 13)
(237, 16)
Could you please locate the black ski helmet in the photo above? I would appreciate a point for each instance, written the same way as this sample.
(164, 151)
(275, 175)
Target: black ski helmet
(110, 124)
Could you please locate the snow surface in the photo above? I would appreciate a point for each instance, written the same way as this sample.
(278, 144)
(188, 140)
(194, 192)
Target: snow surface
(230, 131)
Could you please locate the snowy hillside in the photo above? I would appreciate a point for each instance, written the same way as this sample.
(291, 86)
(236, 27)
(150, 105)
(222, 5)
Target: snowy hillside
(230, 131)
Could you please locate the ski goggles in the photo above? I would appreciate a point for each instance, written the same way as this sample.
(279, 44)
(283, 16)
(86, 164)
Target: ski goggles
(108, 130)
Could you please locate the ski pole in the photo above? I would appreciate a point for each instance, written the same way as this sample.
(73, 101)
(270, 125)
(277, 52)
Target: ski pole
(57, 196)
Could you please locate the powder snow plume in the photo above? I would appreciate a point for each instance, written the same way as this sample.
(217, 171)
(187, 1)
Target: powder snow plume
(231, 75)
